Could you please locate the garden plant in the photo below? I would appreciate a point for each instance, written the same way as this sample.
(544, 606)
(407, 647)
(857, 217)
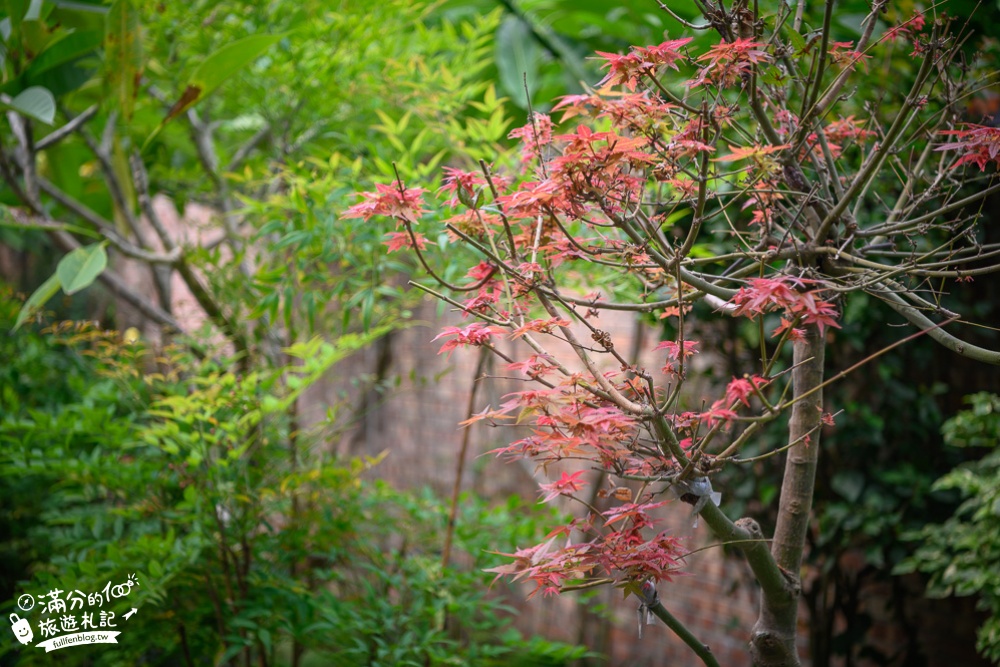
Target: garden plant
(746, 168)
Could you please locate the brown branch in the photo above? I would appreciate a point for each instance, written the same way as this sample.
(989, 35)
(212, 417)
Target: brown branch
(463, 450)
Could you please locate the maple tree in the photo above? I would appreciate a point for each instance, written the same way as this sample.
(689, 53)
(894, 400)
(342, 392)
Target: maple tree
(795, 202)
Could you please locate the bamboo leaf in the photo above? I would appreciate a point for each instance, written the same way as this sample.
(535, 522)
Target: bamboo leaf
(215, 70)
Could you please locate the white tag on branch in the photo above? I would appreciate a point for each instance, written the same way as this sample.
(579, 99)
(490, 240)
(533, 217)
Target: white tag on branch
(648, 597)
(701, 488)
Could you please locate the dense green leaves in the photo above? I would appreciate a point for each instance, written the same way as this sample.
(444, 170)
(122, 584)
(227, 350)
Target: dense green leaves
(215, 70)
(961, 554)
(140, 469)
(200, 475)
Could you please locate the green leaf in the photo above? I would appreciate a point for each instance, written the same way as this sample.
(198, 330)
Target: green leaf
(35, 36)
(265, 639)
(517, 56)
(38, 299)
(35, 102)
(16, 9)
(123, 62)
(215, 70)
(70, 47)
(796, 40)
(34, 11)
(81, 267)
(849, 484)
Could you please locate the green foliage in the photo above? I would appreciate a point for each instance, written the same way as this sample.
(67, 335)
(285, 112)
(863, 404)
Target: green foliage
(961, 554)
(548, 44)
(296, 102)
(244, 536)
(76, 271)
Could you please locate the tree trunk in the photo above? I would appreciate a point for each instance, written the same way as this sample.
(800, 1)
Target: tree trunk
(772, 643)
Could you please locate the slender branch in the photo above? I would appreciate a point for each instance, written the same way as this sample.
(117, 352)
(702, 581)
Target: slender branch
(194, 283)
(463, 450)
(106, 227)
(935, 331)
(700, 649)
(69, 128)
(773, 639)
(244, 151)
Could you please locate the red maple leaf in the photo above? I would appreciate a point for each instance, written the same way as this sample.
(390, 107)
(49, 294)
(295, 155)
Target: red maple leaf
(476, 333)
(740, 389)
(564, 486)
(979, 144)
(391, 201)
(400, 240)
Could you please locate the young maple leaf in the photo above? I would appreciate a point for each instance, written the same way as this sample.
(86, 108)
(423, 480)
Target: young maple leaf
(563, 486)
(842, 54)
(399, 240)
(533, 135)
(533, 366)
(677, 351)
(476, 333)
(716, 413)
(741, 49)
(487, 413)
(847, 129)
(755, 152)
(766, 294)
(814, 310)
(539, 326)
(577, 105)
(628, 69)
(623, 70)
(763, 295)
(979, 144)
(740, 389)
(728, 61)
(906, 29)
(638, 513)
(389, 200)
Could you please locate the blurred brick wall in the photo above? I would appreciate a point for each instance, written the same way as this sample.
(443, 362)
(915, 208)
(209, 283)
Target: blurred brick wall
(417, 425)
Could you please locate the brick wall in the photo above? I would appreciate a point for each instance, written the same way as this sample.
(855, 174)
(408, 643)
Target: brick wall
(417, 425)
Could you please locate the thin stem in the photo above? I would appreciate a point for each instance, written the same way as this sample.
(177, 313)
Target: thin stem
(460, 469)
(700, 649)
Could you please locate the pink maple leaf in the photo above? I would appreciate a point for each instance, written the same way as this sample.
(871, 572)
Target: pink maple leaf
(563, 486)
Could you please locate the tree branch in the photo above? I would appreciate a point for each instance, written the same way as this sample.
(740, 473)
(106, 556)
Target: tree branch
(106, 228)
(69, 128)
(918, 319)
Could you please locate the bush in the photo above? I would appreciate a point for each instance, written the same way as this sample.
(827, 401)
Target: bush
(246, 540)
